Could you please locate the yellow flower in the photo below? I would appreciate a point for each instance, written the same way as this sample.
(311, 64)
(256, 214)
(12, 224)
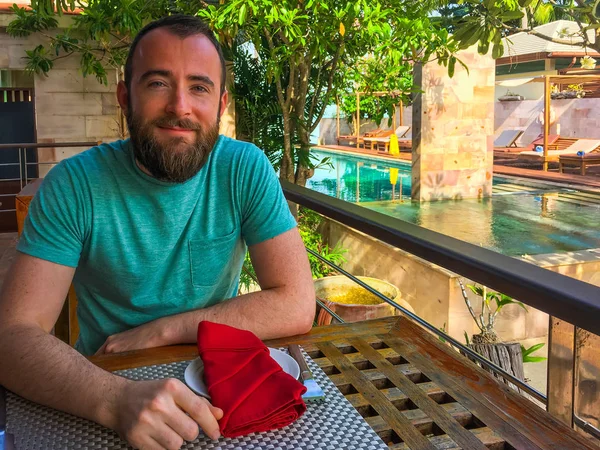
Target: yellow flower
(587, 62)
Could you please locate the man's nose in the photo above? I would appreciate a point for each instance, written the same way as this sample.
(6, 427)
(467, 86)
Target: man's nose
(179, 104)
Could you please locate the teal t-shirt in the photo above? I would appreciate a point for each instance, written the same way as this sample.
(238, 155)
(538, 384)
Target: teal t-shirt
(143, 248)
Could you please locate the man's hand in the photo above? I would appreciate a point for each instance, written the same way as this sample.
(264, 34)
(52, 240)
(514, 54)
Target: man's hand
(148, 335)
(152, 414)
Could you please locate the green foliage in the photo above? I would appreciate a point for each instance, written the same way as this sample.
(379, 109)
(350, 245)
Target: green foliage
(501, 300)
(491, 305)
(52, 6)
(372, 107)
(486, 22)
(308, 225)
(26, 23)
(311, 52)
(527, 358)
(258, 114)
(38, 60)
(100, 35)
(466, 338)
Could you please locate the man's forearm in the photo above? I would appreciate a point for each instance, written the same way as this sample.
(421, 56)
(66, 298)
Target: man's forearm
(269, 314)
(43, 369)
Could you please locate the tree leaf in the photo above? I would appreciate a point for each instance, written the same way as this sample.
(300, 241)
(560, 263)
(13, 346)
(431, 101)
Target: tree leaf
(511, 15)
(497, 50)
(342, 29)
(532, 349)
(451, 65)
(242, 15)
(477, 290)
(533, 359)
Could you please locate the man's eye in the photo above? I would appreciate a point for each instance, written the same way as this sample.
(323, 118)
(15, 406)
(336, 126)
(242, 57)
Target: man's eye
(200, 89)
(156, 84)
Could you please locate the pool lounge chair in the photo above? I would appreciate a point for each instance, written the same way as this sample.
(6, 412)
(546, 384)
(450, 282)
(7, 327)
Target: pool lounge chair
(406, 141)
(385, 139)
(508, 138)
(580, 162)
(351, 138)
(579, 145)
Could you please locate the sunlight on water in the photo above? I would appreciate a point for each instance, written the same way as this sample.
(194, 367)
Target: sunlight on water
(517, 220)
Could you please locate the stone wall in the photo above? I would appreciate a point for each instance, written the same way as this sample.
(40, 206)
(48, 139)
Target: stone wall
(68, 107)
(453, 122)
(574, 118)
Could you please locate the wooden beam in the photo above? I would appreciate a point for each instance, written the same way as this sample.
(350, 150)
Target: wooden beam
(561, 377)
(401, 113)
(357, 119)
(337, 104)
(546, 120)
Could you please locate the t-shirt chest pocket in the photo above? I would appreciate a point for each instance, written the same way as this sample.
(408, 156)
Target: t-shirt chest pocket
(210, 257)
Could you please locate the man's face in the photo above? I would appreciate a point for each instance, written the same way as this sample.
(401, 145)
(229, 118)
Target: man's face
(174, 104)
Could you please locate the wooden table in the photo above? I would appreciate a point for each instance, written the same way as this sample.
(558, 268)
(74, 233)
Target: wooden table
(414, 391)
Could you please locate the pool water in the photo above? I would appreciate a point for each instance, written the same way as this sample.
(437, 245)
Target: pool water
(521, 217)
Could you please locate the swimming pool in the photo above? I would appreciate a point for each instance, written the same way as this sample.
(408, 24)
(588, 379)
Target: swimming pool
(521, 217)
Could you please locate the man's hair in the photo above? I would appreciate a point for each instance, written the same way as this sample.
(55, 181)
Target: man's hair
(181, 26)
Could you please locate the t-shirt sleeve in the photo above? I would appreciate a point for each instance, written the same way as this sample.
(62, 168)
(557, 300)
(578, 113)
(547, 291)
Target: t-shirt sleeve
(265, 212)
(54, 229)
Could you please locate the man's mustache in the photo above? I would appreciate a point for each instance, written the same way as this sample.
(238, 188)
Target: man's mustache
(174, 122)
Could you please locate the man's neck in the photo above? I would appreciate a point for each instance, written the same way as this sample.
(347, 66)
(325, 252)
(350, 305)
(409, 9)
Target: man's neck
(142, 168)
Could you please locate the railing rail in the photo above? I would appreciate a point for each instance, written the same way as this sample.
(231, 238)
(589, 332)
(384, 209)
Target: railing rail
(48, 145)
(24, 165)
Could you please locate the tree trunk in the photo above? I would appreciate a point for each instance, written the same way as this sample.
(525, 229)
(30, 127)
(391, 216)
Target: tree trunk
(303, 173)
(506, 355)
(286, 170)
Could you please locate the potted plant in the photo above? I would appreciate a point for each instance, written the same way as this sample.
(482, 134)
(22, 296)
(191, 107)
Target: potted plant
(572, 91)
(511, 97)
(508, 355)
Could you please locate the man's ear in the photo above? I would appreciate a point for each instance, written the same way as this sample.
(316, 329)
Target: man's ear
(123, 96)
(223, 103)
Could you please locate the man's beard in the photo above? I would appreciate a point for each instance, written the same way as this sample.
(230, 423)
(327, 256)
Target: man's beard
(168, 162)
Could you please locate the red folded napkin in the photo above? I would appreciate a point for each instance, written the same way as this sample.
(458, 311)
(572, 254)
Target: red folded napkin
(243, 380)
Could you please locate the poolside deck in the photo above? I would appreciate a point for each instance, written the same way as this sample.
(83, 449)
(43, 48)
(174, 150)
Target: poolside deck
(591, 180)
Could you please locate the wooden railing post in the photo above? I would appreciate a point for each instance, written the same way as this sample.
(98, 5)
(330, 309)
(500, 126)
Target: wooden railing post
(561, 370)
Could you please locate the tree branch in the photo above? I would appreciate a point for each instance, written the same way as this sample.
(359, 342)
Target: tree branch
(590, 16)
(544, 37)
(276, 76)
(334, 63)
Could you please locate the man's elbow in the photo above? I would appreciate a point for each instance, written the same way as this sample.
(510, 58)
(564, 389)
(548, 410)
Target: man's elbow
(306, 310)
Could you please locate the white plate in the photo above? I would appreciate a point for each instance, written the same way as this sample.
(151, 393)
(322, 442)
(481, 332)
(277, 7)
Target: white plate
(194, 372)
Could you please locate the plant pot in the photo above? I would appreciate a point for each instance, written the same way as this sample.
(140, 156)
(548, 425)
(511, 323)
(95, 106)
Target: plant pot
(511, 98)
(566, 94)
(352, 302)
(507, 355)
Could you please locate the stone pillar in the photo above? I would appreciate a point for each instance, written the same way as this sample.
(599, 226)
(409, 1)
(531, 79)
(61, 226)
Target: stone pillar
(453, 126)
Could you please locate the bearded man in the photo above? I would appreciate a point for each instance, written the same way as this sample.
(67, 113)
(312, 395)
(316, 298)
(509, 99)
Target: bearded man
(152, 231)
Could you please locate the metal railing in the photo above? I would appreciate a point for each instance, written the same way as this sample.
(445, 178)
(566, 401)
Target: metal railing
(558, 295)
(23, 164)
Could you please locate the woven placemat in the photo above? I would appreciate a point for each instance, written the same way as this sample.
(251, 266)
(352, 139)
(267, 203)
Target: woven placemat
(333, 424)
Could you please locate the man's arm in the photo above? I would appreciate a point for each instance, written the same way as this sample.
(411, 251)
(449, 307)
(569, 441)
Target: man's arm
(284, 307)
(38, 366)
